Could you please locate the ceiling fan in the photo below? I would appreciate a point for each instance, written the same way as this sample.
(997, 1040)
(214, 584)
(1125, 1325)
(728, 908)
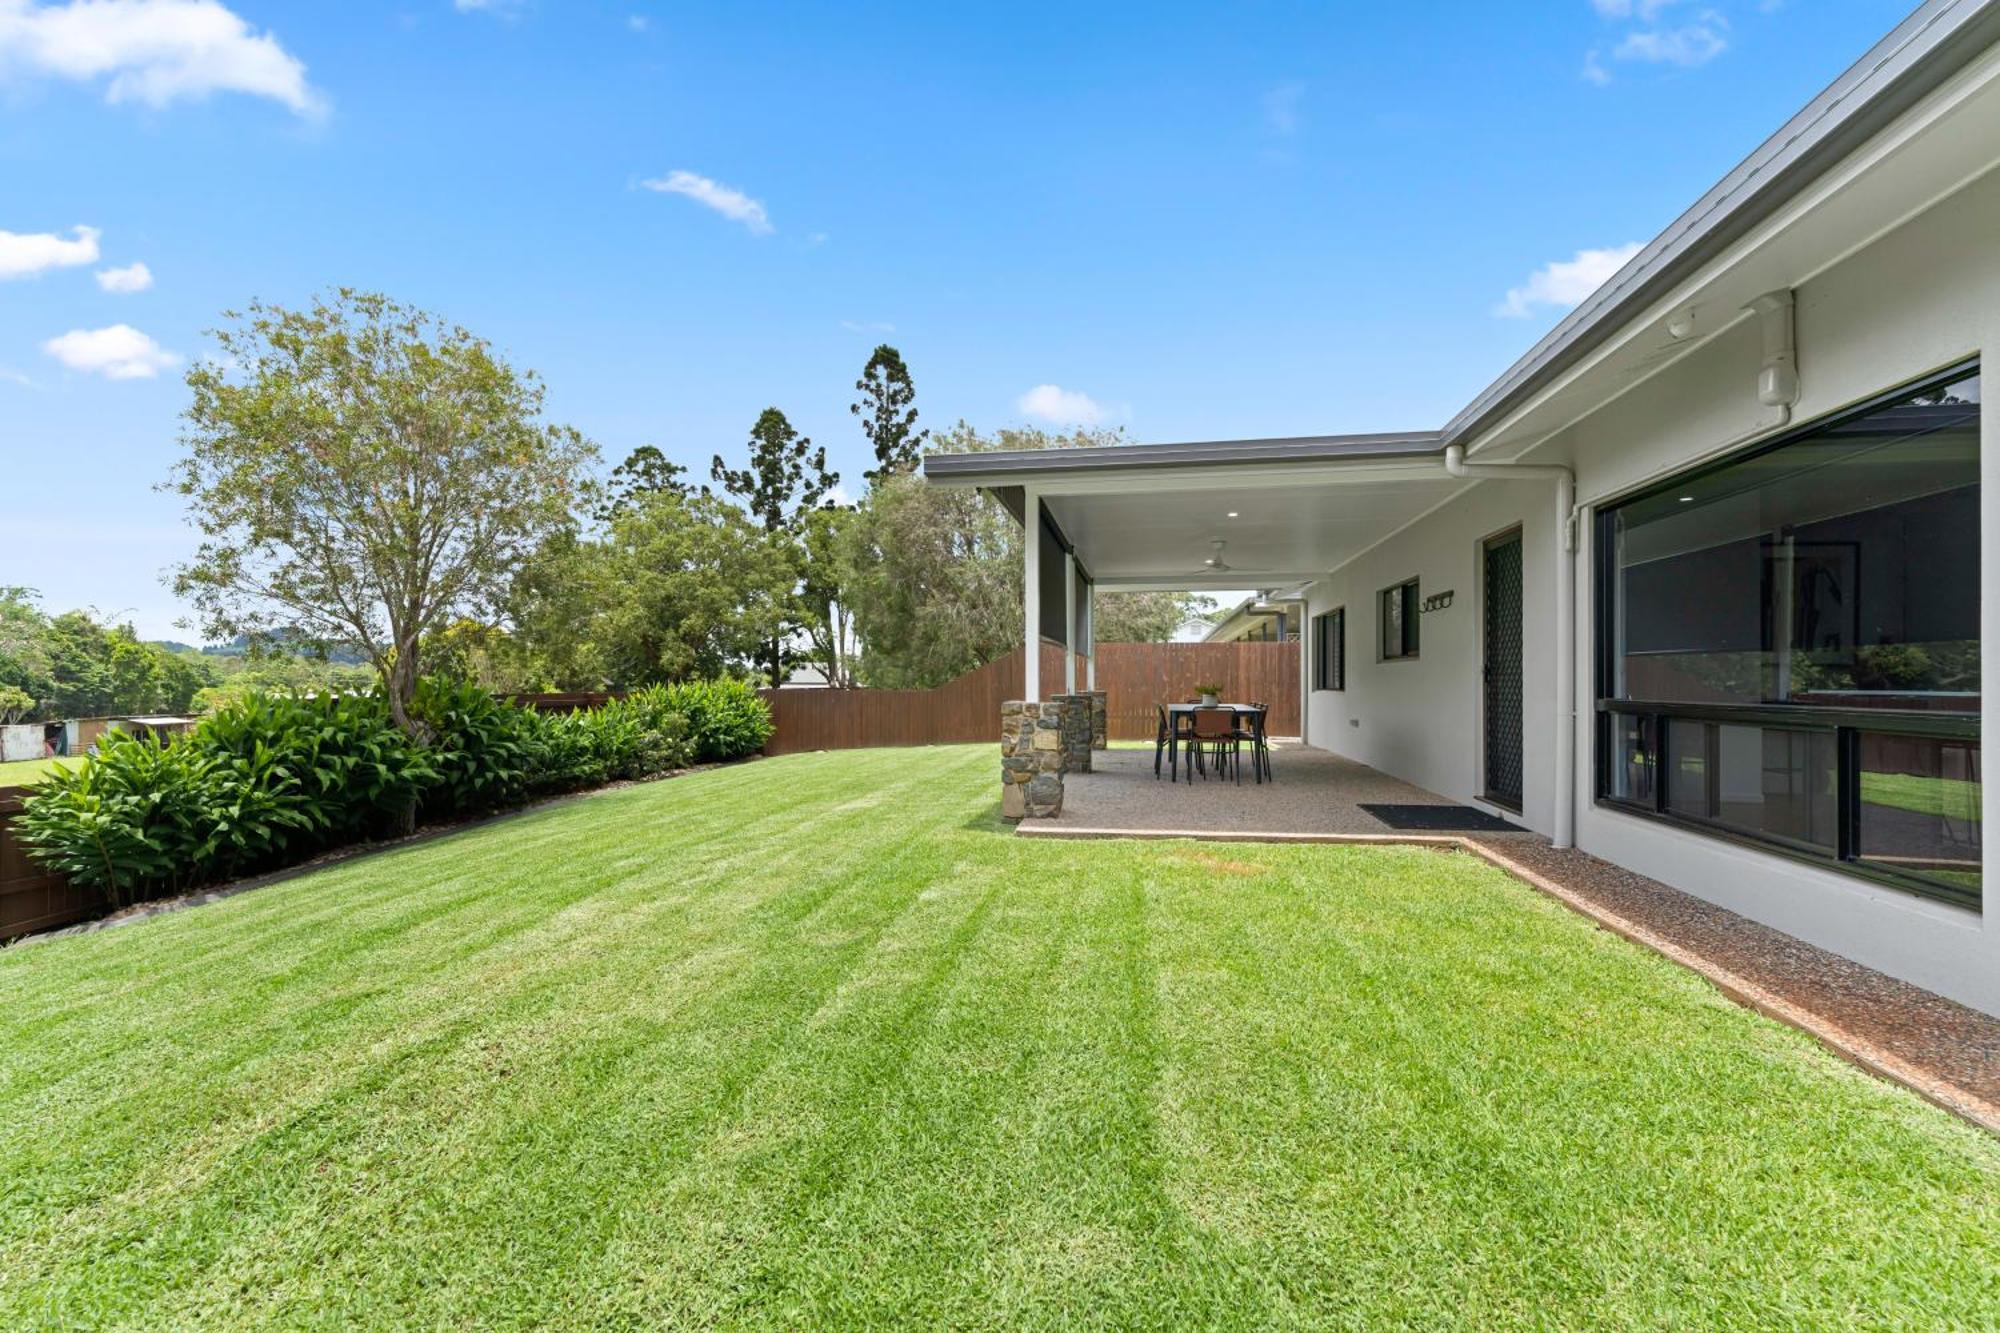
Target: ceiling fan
(1215, 564)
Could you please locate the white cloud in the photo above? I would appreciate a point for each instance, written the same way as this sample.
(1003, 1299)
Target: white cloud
(1643, 10)
(1694, 44)
(24, 254)
(1565, 282)
(731, 203)
(13, 376)
(134, 277)
(1059, 406)
(152, 51)
(638, 22)
(1281, 108)
(119, 352)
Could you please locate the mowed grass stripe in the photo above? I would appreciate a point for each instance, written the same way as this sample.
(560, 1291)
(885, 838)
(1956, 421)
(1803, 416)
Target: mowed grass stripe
(811, 1041)
(431, 1026)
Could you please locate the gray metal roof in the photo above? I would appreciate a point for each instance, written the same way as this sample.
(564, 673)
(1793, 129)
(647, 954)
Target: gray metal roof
(1297, 449)
(1936, 41)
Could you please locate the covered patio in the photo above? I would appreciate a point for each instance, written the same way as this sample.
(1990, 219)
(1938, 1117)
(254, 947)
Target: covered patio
(1277, 516)
(1314, 793)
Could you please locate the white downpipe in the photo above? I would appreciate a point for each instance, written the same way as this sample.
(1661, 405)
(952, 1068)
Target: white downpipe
(1564, 830)
(1777, 387)
(1031, 590)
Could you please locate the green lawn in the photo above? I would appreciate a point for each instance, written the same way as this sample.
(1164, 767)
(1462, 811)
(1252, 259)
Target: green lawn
(27, 772)
(1953, 798)
(811, 1041)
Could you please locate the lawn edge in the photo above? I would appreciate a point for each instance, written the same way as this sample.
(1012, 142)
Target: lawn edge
(1856, 1050)
(339, 856)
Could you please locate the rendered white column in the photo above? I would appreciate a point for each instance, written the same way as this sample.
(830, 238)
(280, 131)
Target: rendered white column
(1090, 635)
(1031, 599)
(1069, 623)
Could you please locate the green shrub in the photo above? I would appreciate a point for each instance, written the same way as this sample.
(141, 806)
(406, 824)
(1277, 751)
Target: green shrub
(269, 778)
(346, 753)
(726, 718)
(486, 753)
(624, 739)
(569, 755)
(140, 819)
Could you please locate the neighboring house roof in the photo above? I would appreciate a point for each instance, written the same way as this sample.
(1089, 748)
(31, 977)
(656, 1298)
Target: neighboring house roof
(1238, 618)
(1918, 56)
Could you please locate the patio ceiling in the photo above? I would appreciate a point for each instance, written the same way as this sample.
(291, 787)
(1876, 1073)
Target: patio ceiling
(1279, 535)
(1301, 507)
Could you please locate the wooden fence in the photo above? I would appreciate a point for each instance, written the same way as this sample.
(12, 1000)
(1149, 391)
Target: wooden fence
(1134, 677)
(32, 898)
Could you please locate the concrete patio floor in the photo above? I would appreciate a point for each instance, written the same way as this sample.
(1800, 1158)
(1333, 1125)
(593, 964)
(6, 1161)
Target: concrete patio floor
(1312, 792)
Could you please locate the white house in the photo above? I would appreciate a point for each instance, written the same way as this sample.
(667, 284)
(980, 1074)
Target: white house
(1697, 583)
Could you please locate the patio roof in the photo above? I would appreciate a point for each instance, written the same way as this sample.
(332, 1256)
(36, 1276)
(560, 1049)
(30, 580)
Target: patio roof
(1148, 516)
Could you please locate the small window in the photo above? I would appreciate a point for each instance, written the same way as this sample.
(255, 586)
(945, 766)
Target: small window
(1399, 621)
(1330, 650)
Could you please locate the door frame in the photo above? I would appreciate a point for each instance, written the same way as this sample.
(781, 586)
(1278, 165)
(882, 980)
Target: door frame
(1514, 533)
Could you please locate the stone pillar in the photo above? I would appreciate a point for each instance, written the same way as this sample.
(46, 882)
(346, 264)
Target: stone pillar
(1075, 732)
(1031, 759)
(1100, 720)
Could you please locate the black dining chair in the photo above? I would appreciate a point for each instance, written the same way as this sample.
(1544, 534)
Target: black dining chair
(1165, 740)
(1260, 741)
(1216, 733)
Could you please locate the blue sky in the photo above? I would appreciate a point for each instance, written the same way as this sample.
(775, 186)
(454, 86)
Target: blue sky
(1195, 221)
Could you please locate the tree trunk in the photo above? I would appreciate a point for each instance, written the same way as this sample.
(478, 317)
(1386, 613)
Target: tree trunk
(401, 688)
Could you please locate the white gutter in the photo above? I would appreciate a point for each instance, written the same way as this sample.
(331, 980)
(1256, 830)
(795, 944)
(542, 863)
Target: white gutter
(1563, 834)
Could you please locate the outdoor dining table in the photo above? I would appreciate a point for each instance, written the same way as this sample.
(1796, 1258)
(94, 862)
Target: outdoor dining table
(1177, 711)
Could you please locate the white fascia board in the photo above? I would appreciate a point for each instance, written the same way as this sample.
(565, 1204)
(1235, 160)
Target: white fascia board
(1160, 480)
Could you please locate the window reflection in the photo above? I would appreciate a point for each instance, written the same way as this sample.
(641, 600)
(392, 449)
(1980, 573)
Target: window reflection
(1841, 569)
(1789, 644)
(1767, 781)
(1920, 807)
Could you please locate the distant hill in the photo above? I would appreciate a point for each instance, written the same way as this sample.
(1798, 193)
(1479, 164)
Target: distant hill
(240, 647)
(175, 646)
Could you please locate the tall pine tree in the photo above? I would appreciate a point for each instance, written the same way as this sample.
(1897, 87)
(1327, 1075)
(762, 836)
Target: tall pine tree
(888, 417)
(786, 480)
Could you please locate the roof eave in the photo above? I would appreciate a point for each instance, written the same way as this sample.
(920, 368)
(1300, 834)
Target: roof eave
(1010, 467)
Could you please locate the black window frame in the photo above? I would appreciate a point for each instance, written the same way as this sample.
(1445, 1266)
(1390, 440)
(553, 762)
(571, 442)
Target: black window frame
(1847, 725)
(1330, 649)
(1412, 598)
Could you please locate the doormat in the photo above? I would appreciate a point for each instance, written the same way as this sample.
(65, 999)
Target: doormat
(1440, 818)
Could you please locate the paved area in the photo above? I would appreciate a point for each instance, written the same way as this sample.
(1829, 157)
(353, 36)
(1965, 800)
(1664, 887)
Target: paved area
(1941, 1049)
(1312, 792)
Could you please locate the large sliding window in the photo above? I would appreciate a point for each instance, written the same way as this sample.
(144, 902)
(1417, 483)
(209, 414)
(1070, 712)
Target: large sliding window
(1789, 643)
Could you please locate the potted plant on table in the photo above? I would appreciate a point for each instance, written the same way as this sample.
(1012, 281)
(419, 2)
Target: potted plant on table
(1208, 693)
